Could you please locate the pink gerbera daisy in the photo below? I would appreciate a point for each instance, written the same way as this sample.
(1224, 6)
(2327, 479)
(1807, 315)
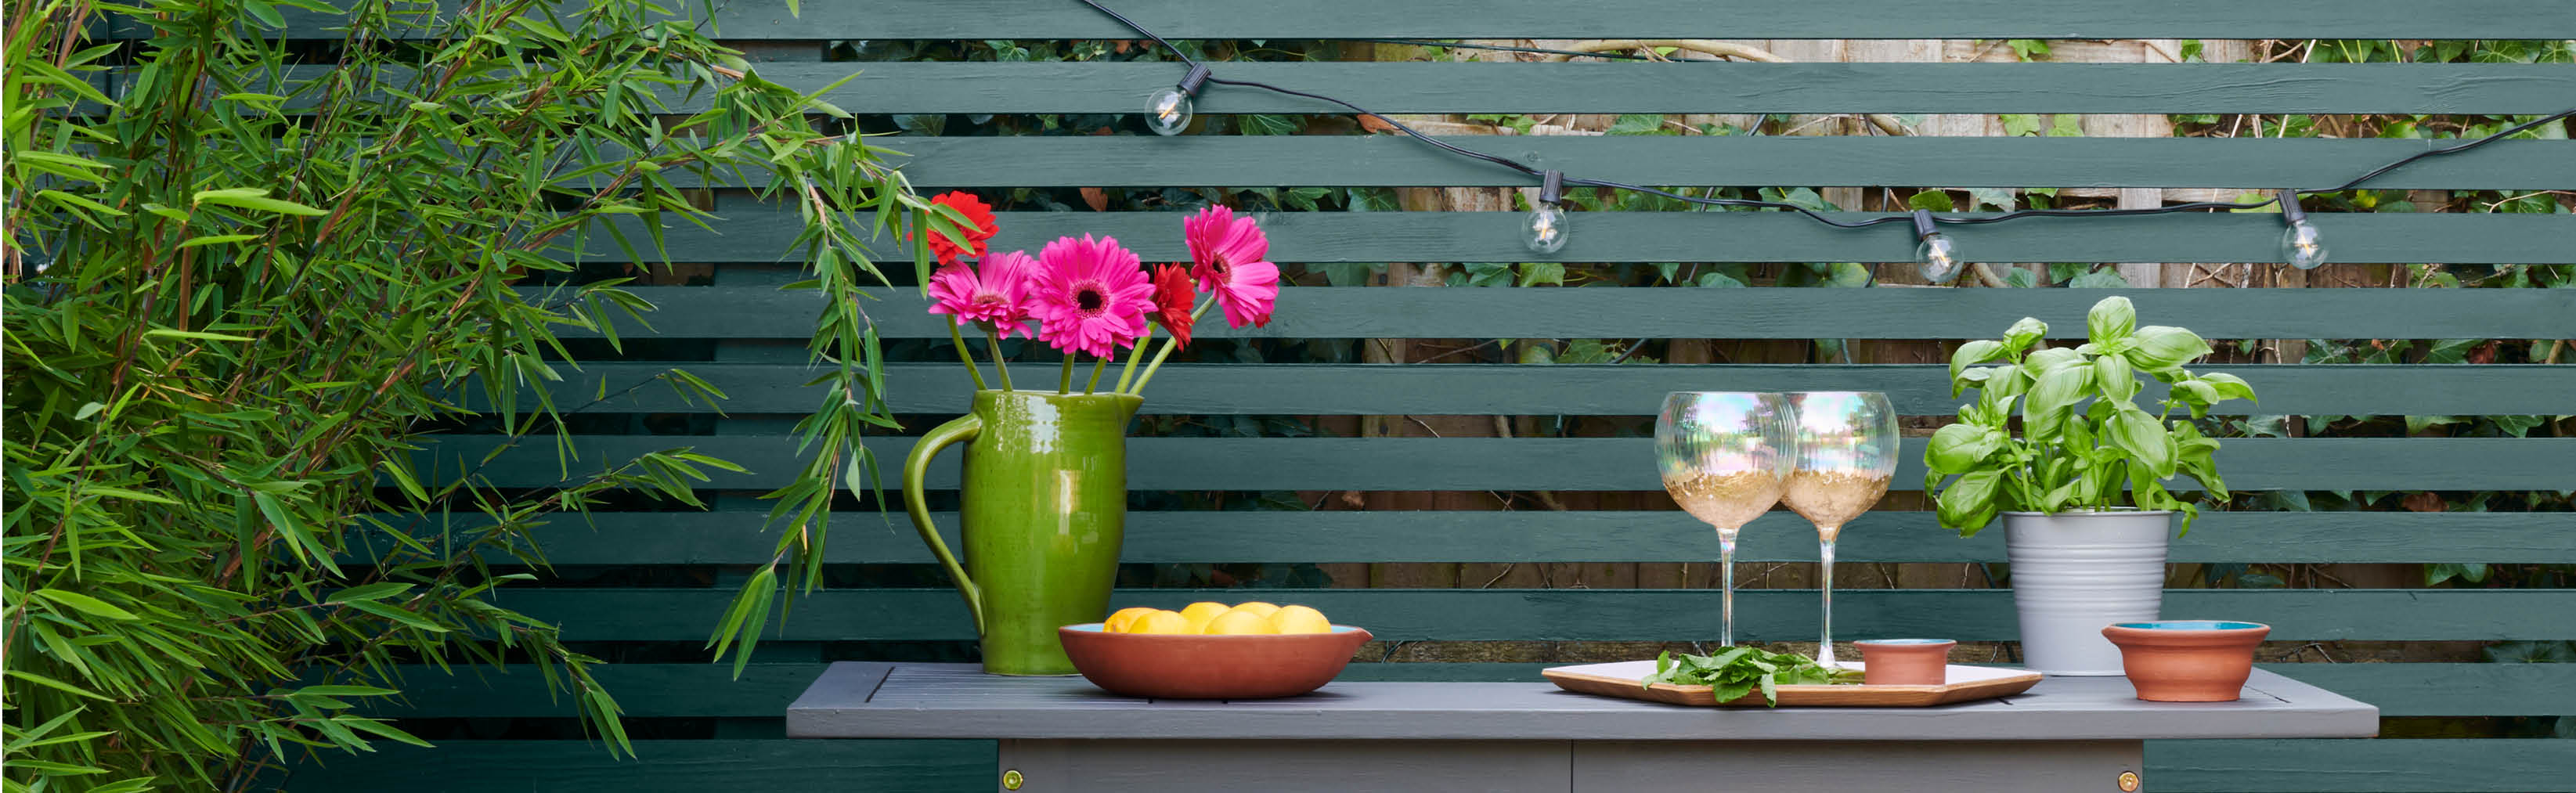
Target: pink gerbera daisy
(1089, 296)
(1232, 258)
(995, 299)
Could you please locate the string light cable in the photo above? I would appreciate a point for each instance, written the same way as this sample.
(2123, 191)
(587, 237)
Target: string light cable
(1545, 230)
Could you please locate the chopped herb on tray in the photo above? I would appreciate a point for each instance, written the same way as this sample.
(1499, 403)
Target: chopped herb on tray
(1737, 671)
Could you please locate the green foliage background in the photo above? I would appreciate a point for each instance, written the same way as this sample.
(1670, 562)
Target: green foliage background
(246, 279)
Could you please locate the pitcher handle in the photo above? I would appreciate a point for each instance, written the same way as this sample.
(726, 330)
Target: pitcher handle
(915, 465)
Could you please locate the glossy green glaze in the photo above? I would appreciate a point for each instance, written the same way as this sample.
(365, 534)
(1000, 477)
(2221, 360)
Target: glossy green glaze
(1043, 510)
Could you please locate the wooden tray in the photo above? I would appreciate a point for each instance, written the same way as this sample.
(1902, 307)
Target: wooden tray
(1965, 683)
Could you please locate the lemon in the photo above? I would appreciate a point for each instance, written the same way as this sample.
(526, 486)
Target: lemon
(1300, 619)
(1160, 622)
(1238, 622)
(1117, 623)
(1258, 608)
(1201, 612)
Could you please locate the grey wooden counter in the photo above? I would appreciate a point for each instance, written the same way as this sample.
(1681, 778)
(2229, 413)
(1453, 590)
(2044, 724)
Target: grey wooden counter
(1062, 734)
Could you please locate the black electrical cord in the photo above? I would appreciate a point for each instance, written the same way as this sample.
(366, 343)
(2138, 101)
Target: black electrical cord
(1810, 213)
(1508, 48)
(1409, 130)
(2517, 128)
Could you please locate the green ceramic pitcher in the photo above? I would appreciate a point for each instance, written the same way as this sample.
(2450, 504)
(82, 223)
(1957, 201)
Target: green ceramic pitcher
(1043, 508)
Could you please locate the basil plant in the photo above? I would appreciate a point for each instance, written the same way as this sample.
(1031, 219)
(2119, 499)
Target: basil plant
(2084, 444)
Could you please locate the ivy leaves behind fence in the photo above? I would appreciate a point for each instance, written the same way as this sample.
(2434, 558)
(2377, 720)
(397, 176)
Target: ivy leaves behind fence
(247, 279)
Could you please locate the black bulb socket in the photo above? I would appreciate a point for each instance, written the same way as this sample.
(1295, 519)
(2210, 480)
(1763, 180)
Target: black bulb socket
(1191, 82)
(2290, 211)
(1551, 187)
(1923, 224)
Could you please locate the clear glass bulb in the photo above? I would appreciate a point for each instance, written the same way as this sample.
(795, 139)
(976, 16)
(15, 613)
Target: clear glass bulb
(2302, 246)
(1168, 112)
(1545, 231)
(1940, 259)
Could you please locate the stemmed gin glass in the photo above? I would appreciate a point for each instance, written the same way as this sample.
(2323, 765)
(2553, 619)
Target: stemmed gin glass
(1846, 451)
(1724, 456)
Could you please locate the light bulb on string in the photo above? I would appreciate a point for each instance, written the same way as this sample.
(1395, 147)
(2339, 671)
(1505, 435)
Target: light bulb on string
(1934, 252)
(2301, 244)
(1544, 231)
(1168, 111)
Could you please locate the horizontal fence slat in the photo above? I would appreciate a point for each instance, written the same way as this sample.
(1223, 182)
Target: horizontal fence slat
(2418, 765)
(1708, 87)
(1183, 537)
(1533, 463)
(1338, 19)
(1242, 161)
(1691, 87)
(1696, 313)
(765, 233)
(1576, 390)
(659, 766)
(1737, 160)
(763, 691)
(2363, 765)
(1592, 614)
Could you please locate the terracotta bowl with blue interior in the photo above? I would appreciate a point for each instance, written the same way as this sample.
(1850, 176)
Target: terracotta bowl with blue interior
(2187, 660)
(1193, 666)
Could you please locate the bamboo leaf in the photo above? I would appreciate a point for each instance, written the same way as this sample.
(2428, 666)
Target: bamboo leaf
(85, 604)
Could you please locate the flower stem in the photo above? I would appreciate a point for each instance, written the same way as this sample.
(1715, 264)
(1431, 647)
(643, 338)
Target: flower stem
(1166, 351)
(960, 340)
(1065, 385)
(1135, 355)
(1098, 365)
(999, 366)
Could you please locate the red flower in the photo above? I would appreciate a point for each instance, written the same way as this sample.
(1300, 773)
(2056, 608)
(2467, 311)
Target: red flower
(1173, 293)
(981, 229)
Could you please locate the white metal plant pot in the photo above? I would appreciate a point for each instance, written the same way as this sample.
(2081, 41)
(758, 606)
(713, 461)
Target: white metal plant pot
(2074, 573)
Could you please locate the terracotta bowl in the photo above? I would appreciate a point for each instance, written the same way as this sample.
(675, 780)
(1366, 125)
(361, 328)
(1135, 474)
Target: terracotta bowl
(1905, 662)
(1181, 666)
(2187, 660)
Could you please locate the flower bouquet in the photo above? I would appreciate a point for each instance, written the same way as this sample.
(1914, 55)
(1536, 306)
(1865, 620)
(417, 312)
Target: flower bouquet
(1044, 493)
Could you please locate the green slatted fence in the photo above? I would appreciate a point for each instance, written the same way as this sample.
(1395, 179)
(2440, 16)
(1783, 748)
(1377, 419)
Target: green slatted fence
(672, 598)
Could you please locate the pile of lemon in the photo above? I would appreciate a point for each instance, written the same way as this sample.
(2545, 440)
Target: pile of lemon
(1212, 618)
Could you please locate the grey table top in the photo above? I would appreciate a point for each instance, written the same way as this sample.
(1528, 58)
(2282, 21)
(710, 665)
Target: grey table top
(882, 700)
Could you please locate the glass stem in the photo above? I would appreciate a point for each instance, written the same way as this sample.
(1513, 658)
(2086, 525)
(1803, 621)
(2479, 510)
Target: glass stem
(1825, 652)
(1726, 577)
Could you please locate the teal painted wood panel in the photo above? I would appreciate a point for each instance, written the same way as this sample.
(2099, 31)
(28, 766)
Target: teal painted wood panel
(1573, 390)
(1185, 537)
(758, 232)
(1593, 614)
(1333, 19)
(660, 766)
(1395, 161)
(763, 691)
(1692, 87)
(1699, 87)
(1695, 313)
(2338, 765)
(2363, 765)
(1543, 463)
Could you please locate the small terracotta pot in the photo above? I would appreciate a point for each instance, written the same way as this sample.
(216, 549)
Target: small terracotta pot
(1191, 666)
(1905, 662)
(2187, 660)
